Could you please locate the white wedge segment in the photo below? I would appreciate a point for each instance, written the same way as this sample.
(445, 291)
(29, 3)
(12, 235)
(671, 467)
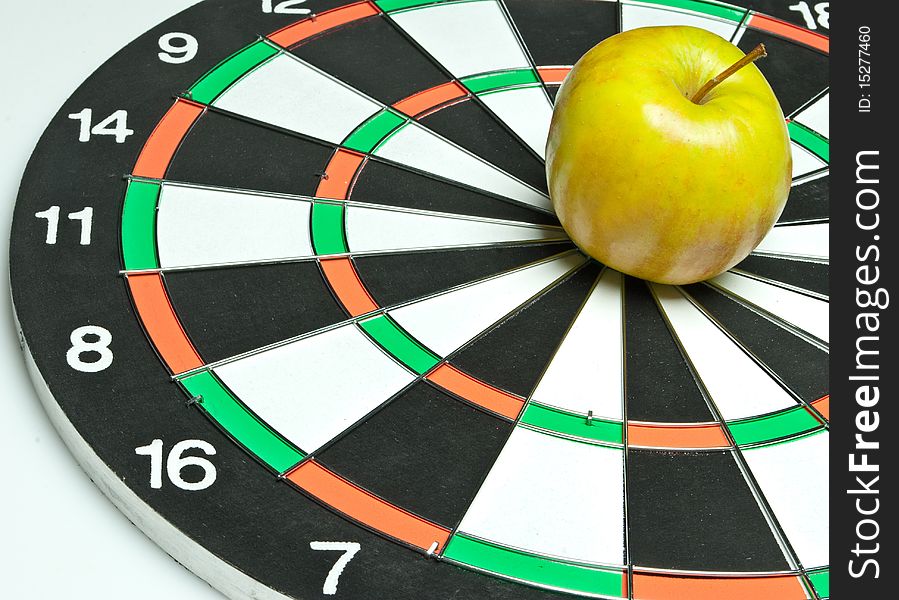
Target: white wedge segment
(804, 162)
(794, 478)
(737, 384)
(816, 116)
(444, 323)
(804, 312)
(803, 241)
(553, 497)
(288, 93)
(738, 37)
(419, 148)
(639, 14)
(811, 177)
(468, 38)
(376, 229)
(586, 372)
(311, 390)
(196, 226)
(527, 111)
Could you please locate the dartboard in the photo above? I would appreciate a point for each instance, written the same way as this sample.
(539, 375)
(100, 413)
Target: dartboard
(291, 287)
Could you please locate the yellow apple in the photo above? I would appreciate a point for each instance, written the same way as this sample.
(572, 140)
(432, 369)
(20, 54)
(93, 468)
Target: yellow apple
(653, 183)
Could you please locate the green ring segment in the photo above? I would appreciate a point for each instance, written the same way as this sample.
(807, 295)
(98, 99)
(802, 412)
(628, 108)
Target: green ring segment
(139, 225)
(328, 228)
(217, 402)
(520, 565)
(497, 80)
(392, 6)
(820, 579)
(763, 430)
(571, 424)
(375, 131)
(720, 10)
(399, 344)
(811, 141)
(220, 78)
(773, 428)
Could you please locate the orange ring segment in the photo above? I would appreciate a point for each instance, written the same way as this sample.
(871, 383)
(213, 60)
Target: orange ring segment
(162, 325)
(162, 144)
(553, 75)
(421, 102)
(822, 405)
(344, 280)
(296, 33)
(339, 175)
(368, 509)
(476, 391)
(676, 436)
(790, 31)
(653, 586)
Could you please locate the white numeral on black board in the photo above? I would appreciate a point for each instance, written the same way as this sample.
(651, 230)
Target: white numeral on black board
(177, 462)
(821, 15)
(84, 215)
(115, 125)
(349, 549)
(52, 216)
(284, 7)
(178, 48)
(91, 342)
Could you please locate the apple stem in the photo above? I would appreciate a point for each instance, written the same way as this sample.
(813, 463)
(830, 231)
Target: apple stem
(756, 53)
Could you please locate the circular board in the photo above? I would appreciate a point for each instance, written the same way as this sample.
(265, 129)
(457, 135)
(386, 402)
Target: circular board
(291, 288)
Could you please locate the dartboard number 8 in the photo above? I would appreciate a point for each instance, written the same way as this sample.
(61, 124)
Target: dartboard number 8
(90, 341)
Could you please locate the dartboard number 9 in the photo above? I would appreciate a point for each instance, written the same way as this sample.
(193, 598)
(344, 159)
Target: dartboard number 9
(290, 282)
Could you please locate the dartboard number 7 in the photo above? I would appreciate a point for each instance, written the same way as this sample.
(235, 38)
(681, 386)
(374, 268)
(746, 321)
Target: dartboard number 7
(349, 549)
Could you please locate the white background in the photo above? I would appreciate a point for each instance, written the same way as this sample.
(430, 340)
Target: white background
(59, 536)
